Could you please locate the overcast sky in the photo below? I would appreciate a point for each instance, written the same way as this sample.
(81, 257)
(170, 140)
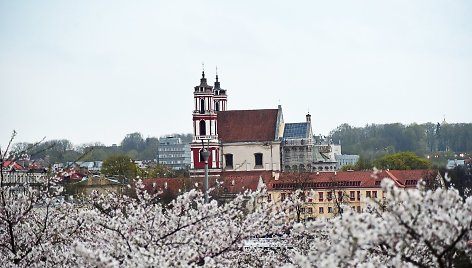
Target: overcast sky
(91, 71)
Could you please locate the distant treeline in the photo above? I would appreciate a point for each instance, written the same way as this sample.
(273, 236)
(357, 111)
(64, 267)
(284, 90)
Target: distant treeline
(61, 151)
(376, 140)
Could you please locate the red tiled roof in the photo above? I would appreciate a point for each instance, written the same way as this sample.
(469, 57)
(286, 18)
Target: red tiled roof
(229, 182)
(247, 125)
(11, 165)
(356, 179)
(410, 178)
(234, 182)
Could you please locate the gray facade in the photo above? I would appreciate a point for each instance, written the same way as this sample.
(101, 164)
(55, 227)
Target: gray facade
(297, 151)
(173, 153)
(346, 159)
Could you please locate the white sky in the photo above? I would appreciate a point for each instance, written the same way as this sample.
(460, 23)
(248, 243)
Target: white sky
(92, 71)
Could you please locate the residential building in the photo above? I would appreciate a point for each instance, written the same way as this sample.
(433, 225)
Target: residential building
(97, 183)
(451, 164)
(174, 153)
(325, 192)
(346, 159)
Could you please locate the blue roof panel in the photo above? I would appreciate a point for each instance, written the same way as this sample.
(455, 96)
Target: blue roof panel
(295, 130)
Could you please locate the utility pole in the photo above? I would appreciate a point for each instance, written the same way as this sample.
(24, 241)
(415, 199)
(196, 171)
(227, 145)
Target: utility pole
(205, 155)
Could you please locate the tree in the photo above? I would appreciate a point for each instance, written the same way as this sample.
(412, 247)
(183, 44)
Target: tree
(119, 165)
(133, 141)
(417, 229)
(402, 161)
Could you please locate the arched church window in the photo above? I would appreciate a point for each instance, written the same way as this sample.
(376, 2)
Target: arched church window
(202, 106)
(202, 127)
(217, 106)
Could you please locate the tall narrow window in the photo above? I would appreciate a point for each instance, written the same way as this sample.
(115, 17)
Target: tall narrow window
(258, 159)
(202, 127)
(217, 106)
(229, 161)
(202, 106)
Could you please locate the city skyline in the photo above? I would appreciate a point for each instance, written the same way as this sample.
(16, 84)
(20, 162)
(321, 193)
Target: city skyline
(96, 71)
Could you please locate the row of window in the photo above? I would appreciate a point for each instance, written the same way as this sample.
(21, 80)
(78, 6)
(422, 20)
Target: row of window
(341, 196)
(258, 160)
(171, 149)
(202, 106)
(321, 210)
(293, 185)
(172, 155)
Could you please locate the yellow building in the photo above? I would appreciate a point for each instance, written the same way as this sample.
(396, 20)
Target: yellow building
(96, 183)
(325, 193)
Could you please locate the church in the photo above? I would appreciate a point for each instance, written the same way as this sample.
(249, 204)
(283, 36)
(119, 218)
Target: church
(237, 140)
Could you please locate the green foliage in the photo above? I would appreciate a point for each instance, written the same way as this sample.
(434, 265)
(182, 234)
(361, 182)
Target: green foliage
(377, 140)
(133, 141)
(348, 167)
(403, 161)
(119, 165)
(361, 164)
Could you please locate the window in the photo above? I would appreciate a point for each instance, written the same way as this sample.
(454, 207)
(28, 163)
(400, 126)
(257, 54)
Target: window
(367, 194)
(340, 196)
(352, 196)
(358, 195)
(229, 161)
(258, 159)
(330, 209)
(359, 209)
(309, 210)
(330, 196)
(321, 210)
(269, 198)
(321, 196)
(217, 106)
(202, 106)
(374, 194)
(200, 158)
(282, 196)
(202, 127)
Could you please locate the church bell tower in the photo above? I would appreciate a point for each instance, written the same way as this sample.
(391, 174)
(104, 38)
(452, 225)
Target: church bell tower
(208, 101)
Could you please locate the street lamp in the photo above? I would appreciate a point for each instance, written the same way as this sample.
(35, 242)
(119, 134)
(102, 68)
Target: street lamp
(205, 154)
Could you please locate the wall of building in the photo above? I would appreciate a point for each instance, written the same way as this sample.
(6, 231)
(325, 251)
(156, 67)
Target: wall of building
(316, 207)
(173, 153)
(244, 155)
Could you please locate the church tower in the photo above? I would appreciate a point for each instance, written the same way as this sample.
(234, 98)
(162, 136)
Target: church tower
(220, 97)
(207, 102)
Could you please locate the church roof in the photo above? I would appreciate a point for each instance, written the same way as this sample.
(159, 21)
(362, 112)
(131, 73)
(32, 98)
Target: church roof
(297, 130)
(247, 125)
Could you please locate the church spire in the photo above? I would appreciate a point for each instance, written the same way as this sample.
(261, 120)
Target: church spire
(217, 83)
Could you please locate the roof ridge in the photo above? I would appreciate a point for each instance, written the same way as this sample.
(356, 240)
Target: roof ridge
(395, 179)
